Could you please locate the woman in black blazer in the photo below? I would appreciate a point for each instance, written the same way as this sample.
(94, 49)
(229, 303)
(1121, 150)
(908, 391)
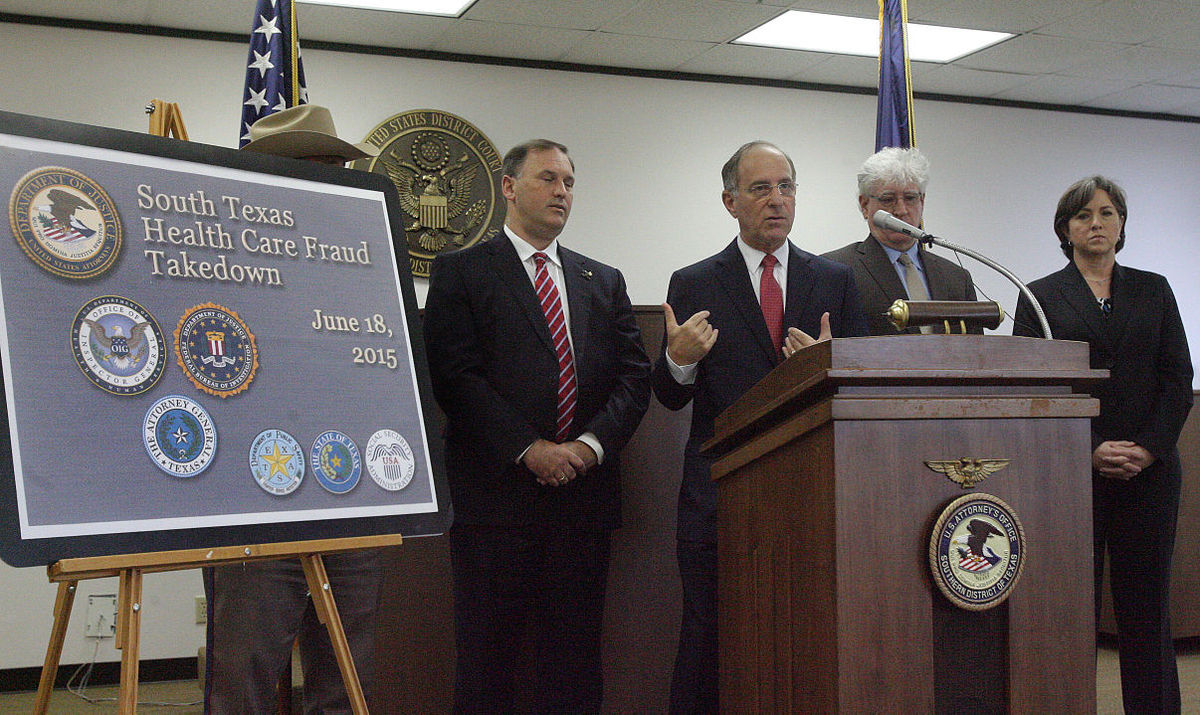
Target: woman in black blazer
(1131, 322)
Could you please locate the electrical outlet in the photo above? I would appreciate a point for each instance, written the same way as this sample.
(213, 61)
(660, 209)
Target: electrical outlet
(101, 616)
(201, 610)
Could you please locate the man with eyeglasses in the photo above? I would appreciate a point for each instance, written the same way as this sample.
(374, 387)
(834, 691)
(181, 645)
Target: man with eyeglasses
(887, 265)
(744, 310)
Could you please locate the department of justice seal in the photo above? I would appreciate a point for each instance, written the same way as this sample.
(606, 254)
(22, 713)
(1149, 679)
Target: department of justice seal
(390, 460)
(277, 461)
(335, 462)
(216, 350)
(118, 345)
(179, 436)
(65, 222)
(977, 551)
(447, 173)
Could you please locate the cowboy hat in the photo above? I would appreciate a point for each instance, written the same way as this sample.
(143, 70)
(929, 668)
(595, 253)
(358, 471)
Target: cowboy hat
(303, 130)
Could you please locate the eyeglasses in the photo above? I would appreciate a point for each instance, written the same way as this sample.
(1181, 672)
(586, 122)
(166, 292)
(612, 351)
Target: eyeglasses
(889, 201)
(763, 190)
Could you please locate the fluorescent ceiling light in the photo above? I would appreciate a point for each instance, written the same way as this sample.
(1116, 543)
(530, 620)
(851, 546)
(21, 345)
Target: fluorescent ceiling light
(817, 32)
(448, 8)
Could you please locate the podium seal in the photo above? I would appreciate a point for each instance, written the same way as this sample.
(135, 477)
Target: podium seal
(977, 551)
(65, 222)
(447, 174)
(118, 345)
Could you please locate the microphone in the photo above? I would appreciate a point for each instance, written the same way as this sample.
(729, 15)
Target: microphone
(886, 221)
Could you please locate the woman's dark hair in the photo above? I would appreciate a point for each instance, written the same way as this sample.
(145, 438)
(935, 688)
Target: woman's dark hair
(1078, 196)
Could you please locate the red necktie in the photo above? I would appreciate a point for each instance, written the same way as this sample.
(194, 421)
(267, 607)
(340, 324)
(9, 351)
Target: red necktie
(771, 298)
(552, 307)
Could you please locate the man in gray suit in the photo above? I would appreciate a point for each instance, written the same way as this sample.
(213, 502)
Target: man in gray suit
(888, 265)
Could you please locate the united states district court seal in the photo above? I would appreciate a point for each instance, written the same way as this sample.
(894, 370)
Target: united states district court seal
(447, 173)
(65, 222)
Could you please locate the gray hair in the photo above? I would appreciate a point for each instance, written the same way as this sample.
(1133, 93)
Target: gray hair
(729, 172)
(893, 165)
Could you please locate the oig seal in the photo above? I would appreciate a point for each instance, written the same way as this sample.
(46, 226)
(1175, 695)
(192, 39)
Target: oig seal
(447, 173)
(977, 551)
(65, 222)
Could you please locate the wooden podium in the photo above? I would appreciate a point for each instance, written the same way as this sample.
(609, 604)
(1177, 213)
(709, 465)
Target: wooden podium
(826, 507)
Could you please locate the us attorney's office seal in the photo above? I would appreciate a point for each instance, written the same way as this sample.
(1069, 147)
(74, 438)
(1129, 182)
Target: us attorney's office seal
(277, 462)
(335, 462)
(179, 436)
(216, 350)
(977, 551)
(65, 222)
(447, 173)
(118, 345)
(390, 460)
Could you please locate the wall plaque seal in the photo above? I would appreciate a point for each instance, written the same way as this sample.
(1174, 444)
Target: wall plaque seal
(277, 462)
(216, 350)
(977, 551)
(179, 436)
(118, 345)
(447, 173)
(65, 222)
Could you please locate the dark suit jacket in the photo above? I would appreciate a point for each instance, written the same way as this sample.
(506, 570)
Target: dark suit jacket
(495, 374)
(879, 286)
(1149, 392)
(743, 353)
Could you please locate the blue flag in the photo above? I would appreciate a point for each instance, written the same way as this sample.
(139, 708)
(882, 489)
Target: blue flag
(274, 74)
(894, 118)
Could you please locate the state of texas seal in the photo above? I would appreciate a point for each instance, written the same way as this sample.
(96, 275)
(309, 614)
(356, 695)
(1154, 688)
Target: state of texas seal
(335, 462)
(65, 222)
(216, 350)
(390, 460)
(180, 436)
(447, 173)
(277, 462)
(977, 551)
(118, 345)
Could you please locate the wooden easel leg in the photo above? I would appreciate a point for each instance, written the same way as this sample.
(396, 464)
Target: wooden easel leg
(326, 607)
(129, 621)
(62, 615)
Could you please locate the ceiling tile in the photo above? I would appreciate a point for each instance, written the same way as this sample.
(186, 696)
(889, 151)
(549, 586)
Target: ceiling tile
(1140, 64)
(575, 14)
(703, 20)
(386, 29)
(497, 39)
(608, 49)
(1059, 89)
(749, 61)
(842, 69)
(1149, 98)
(947, 79)
(1127, 21)
(1037, 54)
(1018, 17)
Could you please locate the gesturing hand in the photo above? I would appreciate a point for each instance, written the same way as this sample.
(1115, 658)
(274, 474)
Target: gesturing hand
(797, 338)
(691, 341)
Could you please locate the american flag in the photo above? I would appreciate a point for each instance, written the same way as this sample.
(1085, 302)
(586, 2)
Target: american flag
(894, 118)
(274, 73)
(968, 561)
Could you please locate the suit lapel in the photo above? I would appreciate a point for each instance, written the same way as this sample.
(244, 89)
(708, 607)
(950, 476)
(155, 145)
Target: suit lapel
(512, 274)
(735, 281)
(879, 265)
(1126, 294)
(935, 276)
(800, 285)
(578, 280)
(1079, 296)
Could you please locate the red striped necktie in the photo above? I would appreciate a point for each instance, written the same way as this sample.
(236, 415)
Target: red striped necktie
(552, 307)
(770, 297)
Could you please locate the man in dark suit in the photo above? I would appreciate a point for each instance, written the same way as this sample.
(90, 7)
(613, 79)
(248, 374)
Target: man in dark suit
(757, 301)
(889, 266)
(538, 363)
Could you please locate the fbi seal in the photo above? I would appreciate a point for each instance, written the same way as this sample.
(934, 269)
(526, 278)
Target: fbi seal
(977, 551)
(447, 173)
(216, 350)
(390, 460)
(180, 436)
(277, 462)
(335, 462)
(65, 222)
(118, 345)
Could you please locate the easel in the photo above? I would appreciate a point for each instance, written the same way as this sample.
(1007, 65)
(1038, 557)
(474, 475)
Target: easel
(130, 568)
(166, 119)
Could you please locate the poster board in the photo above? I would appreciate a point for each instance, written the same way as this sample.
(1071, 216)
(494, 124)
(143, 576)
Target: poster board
(203, 347)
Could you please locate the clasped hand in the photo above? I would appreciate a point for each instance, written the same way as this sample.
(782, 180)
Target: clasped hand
(1121, 459)
(555, 465)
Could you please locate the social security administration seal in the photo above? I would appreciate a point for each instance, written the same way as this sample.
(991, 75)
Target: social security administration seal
(277, 462)
(977, 551)
(216, 350)
(179, 436)
(65, 222)
(335, 462)
(118, 345)
(390, 460)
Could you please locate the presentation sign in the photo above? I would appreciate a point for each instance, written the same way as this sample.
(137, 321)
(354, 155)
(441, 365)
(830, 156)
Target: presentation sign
(203, 347)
